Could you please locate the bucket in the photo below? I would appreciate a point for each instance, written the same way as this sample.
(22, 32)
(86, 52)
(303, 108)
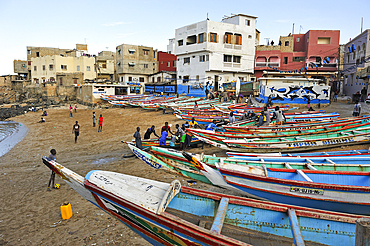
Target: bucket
(66, 211)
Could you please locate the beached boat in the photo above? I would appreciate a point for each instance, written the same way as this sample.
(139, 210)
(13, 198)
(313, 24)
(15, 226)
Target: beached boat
(347, 192)
(155, 142)
(171, 214)
(343, 153)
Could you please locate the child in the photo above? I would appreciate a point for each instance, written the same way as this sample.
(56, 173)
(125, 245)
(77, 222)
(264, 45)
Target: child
(173, 141)
(357, 109)
(53, 157)
(100, 127)
(94, 119)
(162, 140)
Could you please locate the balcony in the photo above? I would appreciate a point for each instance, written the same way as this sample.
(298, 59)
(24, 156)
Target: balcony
(261, 64)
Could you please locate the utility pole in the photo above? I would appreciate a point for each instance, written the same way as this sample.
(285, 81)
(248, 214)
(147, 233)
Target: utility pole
(293, 29)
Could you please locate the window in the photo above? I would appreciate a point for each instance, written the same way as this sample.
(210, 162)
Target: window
(298, 39)
(348, 58)
(207, 57)
(43, 67)
(129, 78)
(247, 22)
(51, 67)
(323, 40)
(187, 60)
(299, 59)
(236, 59)
(174, 63)
(78, 68)
(285, 60)
(186, 79)
(63, 67)
(75, 81)
(249, 36)
(158, 79)
(161, 62)
(191, 40)
(202, 58)
(87, 68)
(146, 65)
(131, 51)
(37, 54)
(29, 52)
(238, 39)
(34, 68)
(201, 38)
(141, 79)
(61, 81)
(146, 52)
(168, 64)
(197, 78)
(131, 64)
(227, 58)
(104, 65)
(227, 38)
(213, 37)
(180, 42)
(286, 43)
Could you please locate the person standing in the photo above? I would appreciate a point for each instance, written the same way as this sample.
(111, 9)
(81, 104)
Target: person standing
(75, 108)
(357, 109)
(76, 130)
(279, 116)
(70, 113)
(166, 126)
(53, 157)
(231, 118)
(137, 137)
(100, 127)
(162, 140)
(308, 102)
(149, 132)
(94, 119)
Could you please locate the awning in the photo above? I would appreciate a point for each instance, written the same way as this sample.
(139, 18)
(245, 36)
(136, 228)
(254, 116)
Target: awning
(131, 63)
(132, 50)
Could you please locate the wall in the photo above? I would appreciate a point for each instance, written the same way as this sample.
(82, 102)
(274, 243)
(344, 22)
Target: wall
(163, 59)
(293, 91)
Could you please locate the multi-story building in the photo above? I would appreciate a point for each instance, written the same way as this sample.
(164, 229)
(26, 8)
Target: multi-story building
(313, 54)
(105, 66)
(210, 52)
(135, 63)
(356, 68)
(21, 68)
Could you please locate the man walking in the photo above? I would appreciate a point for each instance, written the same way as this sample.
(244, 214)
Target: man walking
(76, 130)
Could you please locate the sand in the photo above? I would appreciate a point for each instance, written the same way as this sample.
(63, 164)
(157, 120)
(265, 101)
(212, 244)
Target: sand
(30, 215)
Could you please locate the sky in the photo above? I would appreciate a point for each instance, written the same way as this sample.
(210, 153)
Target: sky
(103, 25)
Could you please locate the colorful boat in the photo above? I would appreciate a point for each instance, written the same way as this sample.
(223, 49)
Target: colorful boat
(347, 192)
(155, 142)
(171, 214)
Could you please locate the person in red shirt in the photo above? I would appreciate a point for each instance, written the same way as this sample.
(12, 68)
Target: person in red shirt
(100, 128)
(166, 127)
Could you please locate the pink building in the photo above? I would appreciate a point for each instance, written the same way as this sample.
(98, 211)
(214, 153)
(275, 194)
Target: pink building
(314, 53)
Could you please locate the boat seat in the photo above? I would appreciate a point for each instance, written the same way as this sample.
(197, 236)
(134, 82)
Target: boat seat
(304, 176)
(310, 167)
(288, 166)
(296, 230)
(330, 161)
(220, 215)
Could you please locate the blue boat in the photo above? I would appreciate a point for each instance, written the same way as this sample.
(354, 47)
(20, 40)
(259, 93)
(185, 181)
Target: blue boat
(171, 214)
(339, 191)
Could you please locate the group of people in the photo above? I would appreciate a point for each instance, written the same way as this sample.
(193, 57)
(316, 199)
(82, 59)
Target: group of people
(181, 135)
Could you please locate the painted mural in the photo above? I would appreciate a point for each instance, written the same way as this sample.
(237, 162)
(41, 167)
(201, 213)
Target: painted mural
(295, 94)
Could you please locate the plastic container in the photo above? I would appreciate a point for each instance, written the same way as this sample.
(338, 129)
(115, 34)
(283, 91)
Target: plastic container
(66, 211)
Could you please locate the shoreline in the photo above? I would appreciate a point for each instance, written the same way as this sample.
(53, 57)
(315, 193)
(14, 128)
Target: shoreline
(13, 139)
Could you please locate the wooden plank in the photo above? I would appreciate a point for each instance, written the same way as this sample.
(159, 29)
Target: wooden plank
(330, 161)
(288, 166)
(310, 167)
(220, 215)
(304, 176)
(265, 169)
(294, 225)
(308, 160)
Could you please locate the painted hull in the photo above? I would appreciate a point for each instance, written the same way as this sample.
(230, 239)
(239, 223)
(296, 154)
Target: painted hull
(134, 201)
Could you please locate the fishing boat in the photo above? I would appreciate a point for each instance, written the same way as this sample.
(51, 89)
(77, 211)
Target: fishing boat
(171, 214)
(338, 191)
(155, 142)
(341, 153)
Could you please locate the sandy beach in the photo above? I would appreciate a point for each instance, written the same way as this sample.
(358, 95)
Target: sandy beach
(30, 215)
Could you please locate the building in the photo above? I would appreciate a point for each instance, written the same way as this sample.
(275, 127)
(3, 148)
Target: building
(313, 55)
(21, 68)
(356, 68)
(293, 90)
(105, 66)
(210, 53)
(135, 63)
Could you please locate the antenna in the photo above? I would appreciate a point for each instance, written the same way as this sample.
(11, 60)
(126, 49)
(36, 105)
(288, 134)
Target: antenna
(293, 29)
(362, 23)
(207, 17)
(300, 27)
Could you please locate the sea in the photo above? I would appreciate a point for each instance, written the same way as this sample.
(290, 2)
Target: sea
(11, 133)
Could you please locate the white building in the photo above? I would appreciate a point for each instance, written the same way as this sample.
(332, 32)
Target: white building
(215, 52)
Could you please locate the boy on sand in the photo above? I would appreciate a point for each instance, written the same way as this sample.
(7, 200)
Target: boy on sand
(94, 119)
(52, 156)
(76, 130)
(100, 127)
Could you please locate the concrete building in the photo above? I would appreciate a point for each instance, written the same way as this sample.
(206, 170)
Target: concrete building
(356, 68)
(21, 68)
(313, 54)
(135, 63)
(214, 52)
(105, 66)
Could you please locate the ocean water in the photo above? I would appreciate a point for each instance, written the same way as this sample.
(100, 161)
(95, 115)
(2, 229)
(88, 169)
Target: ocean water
(11, 133)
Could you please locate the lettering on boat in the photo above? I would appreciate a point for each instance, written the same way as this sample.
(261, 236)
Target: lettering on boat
(299, 144)
(146, 159)
(307, 190)
(340, 140)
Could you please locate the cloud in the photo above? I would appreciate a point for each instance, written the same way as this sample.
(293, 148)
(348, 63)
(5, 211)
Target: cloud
(282, 21)
(116, 23)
